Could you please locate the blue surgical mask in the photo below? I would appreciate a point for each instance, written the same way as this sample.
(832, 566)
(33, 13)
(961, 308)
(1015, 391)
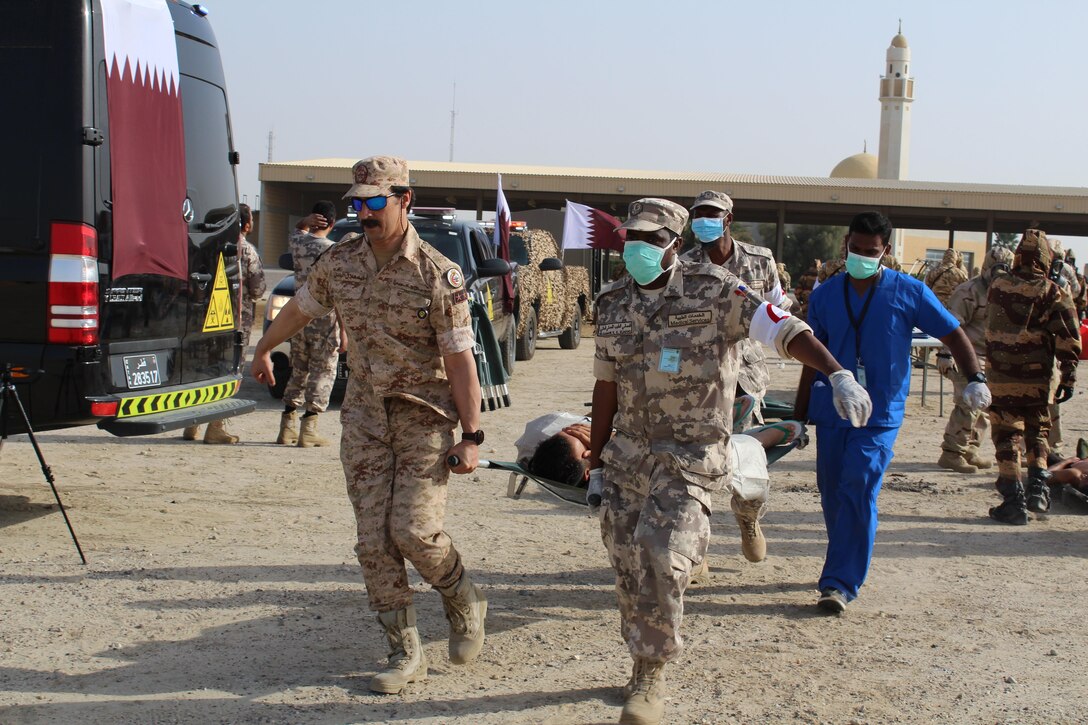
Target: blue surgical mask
(860, 267)
(643, 261)
(707, 229)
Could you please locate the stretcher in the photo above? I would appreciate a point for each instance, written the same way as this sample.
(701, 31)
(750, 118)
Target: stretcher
(776, 410)
(519, 477)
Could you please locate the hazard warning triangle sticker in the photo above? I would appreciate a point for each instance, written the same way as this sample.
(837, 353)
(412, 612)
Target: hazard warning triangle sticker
(220, 314)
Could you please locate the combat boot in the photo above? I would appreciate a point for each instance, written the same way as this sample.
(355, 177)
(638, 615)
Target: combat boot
(1013, 510)
(700, 575)
(955, 462)
(1038, 490)
(466, 610)
(645, 705)
(973, 458)
(191, 432)
(307, 434)
(407, 663)
(748, 514)
(217, 433)
(288, 429)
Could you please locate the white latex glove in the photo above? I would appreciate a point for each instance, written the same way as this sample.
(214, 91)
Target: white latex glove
(945, 363)
(851, 400)
(976, 396)
(594, 489)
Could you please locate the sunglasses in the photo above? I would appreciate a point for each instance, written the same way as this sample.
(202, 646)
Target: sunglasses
(373, 203)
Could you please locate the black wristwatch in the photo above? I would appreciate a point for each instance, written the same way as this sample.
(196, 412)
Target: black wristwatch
(979, 377)
(477, 437)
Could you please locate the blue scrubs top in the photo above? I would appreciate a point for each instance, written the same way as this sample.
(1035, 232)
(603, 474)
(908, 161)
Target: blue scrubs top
(900, 303)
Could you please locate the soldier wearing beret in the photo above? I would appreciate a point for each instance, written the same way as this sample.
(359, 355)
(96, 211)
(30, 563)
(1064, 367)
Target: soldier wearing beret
(413, 377)
(665, 381)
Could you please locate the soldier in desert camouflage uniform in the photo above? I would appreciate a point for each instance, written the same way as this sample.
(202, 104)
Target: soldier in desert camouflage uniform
(413, 377)
(891, 262)
(1030, 325)
(947, 276)
(1067, 280)
(711, 219)
(828, 270)
(1081, 300)
(967, 428)
(253, 286)
(804, 287)
(665, 382)
(315, 350)
(784, 277)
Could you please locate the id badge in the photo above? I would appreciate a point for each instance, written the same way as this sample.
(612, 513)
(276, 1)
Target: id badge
(670, 360)
(861, 374)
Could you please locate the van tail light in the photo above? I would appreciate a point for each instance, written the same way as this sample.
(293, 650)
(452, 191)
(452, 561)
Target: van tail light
(105, 409)
(73, 284)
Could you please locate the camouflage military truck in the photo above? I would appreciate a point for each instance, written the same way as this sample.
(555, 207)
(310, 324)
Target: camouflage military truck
(553, 298)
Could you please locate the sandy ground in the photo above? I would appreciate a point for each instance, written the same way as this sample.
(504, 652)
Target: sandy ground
(221, 587)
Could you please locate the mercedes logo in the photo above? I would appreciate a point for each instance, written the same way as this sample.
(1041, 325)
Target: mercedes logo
(187, 210)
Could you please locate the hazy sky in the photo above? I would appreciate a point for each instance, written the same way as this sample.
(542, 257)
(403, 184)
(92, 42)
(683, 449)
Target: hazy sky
(785, 88)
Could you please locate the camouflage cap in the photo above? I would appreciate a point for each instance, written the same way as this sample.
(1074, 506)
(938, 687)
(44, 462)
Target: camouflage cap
(714, 198)
(375, 176)
(649, 215)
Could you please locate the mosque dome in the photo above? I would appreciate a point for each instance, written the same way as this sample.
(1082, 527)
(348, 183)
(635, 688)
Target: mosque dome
(899, 41)
(858, 166)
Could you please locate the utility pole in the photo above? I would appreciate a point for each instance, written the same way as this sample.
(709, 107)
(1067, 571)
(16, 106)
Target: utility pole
(453, 117)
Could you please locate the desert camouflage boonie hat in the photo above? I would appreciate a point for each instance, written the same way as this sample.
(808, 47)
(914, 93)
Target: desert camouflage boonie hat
(715, 199)
(376, 175)
(649, 215)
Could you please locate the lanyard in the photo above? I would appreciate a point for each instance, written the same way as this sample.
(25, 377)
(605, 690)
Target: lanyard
(856, 323)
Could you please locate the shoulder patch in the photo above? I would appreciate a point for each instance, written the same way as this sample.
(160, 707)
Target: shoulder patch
(614, 285)
(705, 269)
(454, 278)
(754, 249)
(459, 296)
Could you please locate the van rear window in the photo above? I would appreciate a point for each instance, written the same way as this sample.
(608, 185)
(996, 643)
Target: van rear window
(32, 117)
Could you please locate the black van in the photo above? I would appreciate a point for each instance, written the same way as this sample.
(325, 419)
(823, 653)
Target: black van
(118, 217)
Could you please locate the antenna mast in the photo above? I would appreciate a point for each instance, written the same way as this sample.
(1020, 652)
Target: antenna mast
(453, 118)
(271, 140)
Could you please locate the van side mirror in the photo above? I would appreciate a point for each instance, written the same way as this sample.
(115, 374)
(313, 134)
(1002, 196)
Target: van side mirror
(287, 262)
(493, 267)
(551, 264)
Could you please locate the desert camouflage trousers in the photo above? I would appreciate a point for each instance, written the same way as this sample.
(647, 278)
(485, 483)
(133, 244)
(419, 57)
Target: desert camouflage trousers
(1055, 436)
(313, 365)
(394, 457)
(1014, 428)
(653, 542)
(966, 429)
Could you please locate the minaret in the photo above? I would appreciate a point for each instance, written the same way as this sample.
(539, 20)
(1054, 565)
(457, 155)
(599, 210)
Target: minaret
(896, 95)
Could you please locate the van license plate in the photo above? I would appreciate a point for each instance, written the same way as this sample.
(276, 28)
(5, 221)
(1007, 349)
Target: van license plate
(142, 371)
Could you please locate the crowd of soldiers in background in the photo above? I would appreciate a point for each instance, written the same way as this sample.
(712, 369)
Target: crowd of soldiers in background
(945, 276)
(1041, 277)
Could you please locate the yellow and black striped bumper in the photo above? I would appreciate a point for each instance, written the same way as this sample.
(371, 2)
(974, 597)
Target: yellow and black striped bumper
(176, 400)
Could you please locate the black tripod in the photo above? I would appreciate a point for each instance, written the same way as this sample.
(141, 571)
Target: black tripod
(8, 393)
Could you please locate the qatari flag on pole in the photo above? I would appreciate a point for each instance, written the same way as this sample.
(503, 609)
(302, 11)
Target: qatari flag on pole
(147, 142)
(501, 240)
(587, 228)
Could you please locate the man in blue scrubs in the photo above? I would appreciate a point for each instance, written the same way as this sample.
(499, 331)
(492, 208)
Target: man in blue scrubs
(865, 318)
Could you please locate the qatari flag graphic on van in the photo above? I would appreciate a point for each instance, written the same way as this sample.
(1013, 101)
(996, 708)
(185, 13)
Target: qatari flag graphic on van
(147, 143)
